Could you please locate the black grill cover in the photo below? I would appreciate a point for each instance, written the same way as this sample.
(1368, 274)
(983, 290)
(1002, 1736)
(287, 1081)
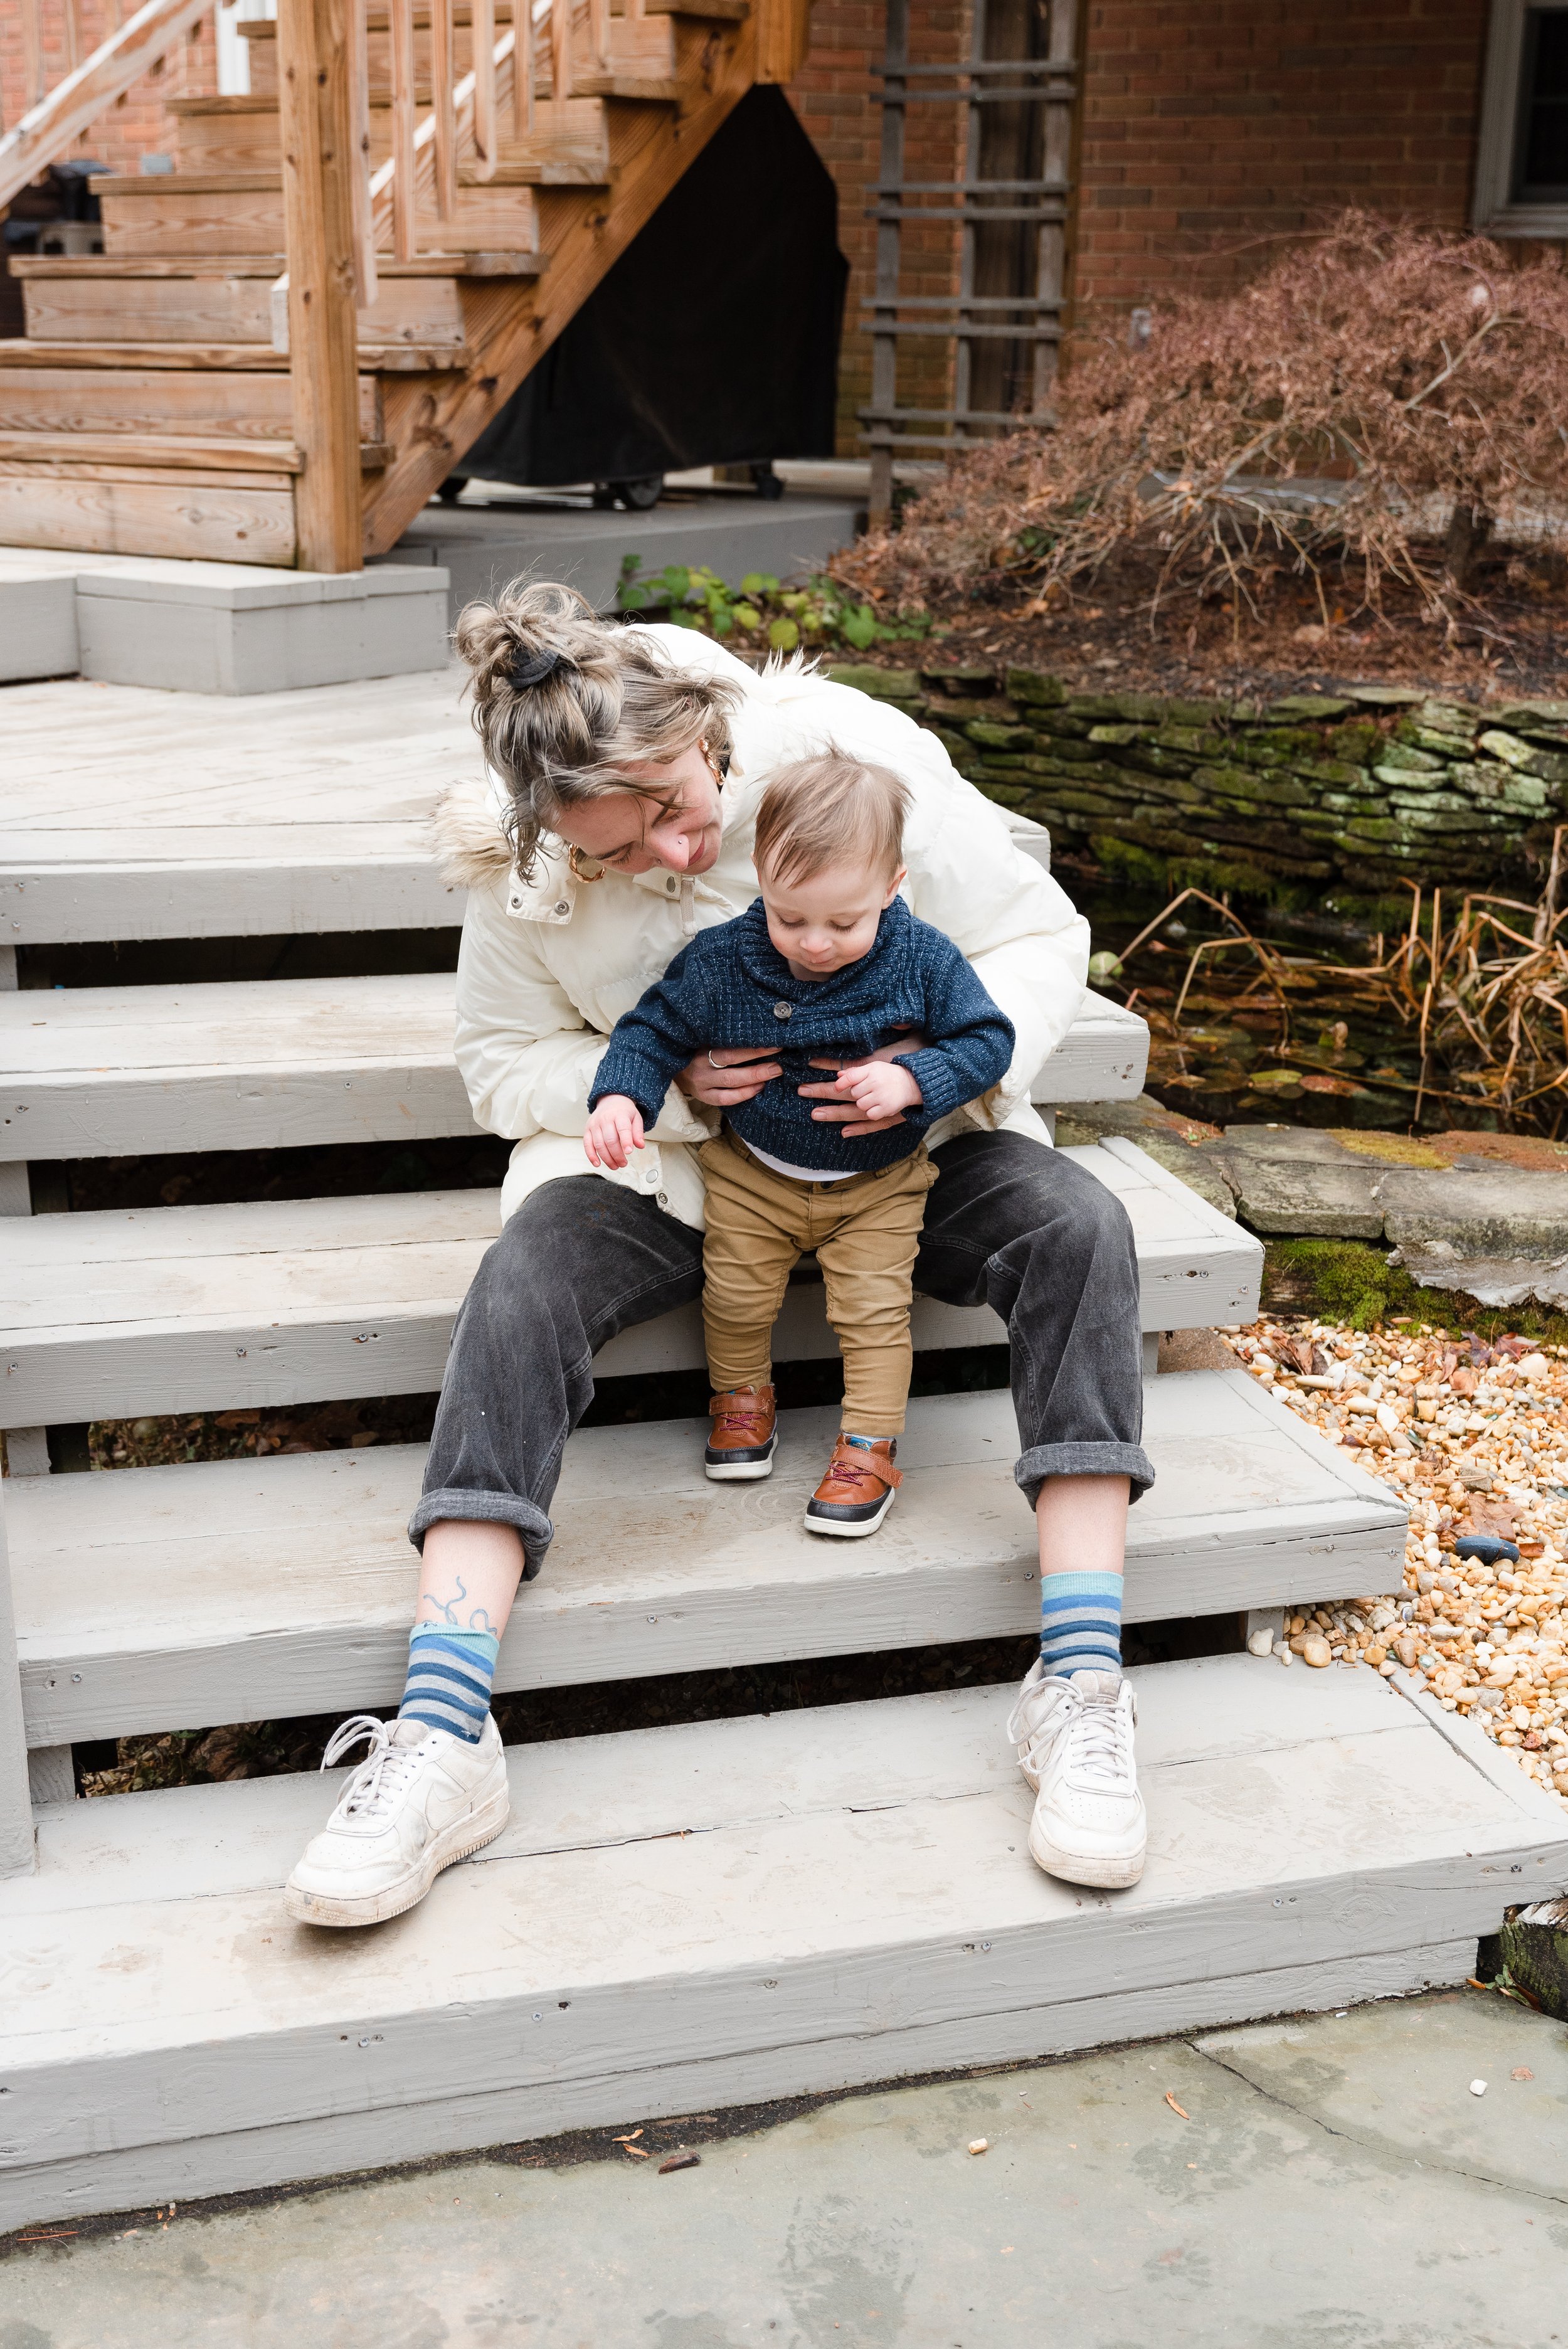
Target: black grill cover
(714, 338)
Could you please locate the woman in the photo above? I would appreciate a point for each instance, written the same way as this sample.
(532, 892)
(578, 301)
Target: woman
(624, 766)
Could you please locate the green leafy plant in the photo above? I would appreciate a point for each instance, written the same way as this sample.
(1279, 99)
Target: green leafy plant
(761, 611)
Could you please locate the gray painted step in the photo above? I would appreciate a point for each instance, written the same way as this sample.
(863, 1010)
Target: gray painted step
(683, 1917)
(196, 1308)
(238, 1590)
(109, 1071)
(272, 815)
(123, 815)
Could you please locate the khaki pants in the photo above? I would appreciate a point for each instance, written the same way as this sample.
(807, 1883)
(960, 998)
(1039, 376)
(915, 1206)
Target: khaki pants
(865, 1232)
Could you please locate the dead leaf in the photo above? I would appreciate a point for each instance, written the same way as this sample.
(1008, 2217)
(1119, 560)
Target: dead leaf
(1175, 2106)
(1521, 2072)
(680, 2161)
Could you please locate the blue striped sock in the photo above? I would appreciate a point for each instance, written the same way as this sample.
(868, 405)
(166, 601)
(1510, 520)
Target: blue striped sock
(1080, 1622)
(449, 1676)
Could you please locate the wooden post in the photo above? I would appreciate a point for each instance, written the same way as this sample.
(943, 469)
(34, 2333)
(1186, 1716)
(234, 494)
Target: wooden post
(441, 109)
(316, 111)
(405, 192)
(16, 1856)
(560, 50)
(483, 20)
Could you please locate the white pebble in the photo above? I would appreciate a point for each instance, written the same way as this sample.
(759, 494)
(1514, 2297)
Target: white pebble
(983, 2144)
(1261, 1644)
(1478, 2088)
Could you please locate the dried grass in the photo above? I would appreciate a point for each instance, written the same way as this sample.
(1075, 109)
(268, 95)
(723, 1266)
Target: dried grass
(1418, 372)
(1487, 993)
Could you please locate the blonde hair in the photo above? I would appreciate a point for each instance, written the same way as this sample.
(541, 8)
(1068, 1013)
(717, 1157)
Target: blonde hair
(831, 810)
(563, 702)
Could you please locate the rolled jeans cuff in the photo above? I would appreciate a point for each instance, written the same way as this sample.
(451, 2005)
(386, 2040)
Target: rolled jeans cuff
(462, 1501)
(1129, 1460)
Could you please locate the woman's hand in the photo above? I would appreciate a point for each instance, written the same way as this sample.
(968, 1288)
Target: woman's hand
(731, 1074)
(855, 1116)
(613, 1129)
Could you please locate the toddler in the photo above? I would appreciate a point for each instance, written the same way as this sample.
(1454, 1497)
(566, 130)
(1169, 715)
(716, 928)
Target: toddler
(828, 965)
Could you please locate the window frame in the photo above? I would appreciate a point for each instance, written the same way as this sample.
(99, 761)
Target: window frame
(1494, 210)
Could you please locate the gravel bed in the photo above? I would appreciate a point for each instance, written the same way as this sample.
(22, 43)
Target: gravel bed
(1476, 1437)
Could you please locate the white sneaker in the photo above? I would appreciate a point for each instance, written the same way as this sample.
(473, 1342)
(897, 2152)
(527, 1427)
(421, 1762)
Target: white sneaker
(1074, 1738)
(419, 1800)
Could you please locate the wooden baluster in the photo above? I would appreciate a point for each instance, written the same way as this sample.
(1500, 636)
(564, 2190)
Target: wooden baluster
(523, 61)
(559, 49)
(32, 56)
(364, 225)
(599, 34)
(405, 195)
(315, 119)
(73, 35)
(445, 141)
(485, 133)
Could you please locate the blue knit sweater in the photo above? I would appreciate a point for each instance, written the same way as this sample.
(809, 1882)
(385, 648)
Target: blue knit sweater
(732, 987)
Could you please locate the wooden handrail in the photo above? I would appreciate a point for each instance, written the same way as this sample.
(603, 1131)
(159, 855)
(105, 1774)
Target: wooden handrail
(49, 128)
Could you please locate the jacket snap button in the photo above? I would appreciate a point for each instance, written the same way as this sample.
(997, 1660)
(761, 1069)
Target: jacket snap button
(563, 908)
(672, 884)
(783, 1011)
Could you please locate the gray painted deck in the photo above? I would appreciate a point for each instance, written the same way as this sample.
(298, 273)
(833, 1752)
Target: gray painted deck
(731, 1911)
(240, 1590)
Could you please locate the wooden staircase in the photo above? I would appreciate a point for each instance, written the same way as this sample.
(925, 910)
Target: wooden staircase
(676, 1917)
(152, 407)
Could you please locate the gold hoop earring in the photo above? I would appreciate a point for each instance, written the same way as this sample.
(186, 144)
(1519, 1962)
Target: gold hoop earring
(587, 879)
(714, 768)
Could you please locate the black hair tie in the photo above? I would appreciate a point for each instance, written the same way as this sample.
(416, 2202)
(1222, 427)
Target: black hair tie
(532, 669)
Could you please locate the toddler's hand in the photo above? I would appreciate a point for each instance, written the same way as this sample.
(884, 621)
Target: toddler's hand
(880, 1089)
(613, 1129)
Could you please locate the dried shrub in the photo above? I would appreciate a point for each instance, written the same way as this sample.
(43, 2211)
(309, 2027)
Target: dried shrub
(1381, 397)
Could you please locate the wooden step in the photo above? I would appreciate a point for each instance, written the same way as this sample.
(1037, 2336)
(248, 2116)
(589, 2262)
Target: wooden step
(105, 1071)
(162, 452)
(107, 506)
(153, 1598)
(216, 215)
(205, 358)
(681, 1918)
(200, 1309)
(55, 400)
(570, 145)
(420, 305)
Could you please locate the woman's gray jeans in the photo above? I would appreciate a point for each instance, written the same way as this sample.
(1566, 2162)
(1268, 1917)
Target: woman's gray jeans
(1008, 1223)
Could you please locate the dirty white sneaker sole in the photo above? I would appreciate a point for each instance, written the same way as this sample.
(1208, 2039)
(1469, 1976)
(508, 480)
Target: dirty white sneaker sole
(463, 1837)
(741, 1471)
(1106, 1871)
(849, 1528)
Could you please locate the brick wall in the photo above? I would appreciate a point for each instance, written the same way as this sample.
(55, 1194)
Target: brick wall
(137, 124)
(1210, 129)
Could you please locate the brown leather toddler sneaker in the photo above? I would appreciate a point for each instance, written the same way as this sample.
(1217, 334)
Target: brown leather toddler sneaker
(856, 1493)
(744, 1436)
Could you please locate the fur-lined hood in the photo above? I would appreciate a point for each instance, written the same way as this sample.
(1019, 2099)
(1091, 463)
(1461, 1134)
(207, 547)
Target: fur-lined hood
(471, 849)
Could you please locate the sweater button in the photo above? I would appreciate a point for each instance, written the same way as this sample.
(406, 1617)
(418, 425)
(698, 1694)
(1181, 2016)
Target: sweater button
(783, 1011)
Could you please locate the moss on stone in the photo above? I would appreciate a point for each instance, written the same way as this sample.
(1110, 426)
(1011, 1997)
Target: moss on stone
(1352, 1282)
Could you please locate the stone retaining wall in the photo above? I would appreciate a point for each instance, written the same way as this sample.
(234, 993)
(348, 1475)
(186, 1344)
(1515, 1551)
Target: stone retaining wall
(1364, 789)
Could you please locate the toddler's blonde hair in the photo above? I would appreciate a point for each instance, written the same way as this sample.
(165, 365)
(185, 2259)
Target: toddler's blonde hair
(831, 808)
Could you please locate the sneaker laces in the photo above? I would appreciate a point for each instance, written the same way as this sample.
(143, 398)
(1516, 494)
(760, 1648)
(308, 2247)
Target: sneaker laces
(1099, 1745)
(749, 1420)
(382, 1775)
(1098, 1735)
